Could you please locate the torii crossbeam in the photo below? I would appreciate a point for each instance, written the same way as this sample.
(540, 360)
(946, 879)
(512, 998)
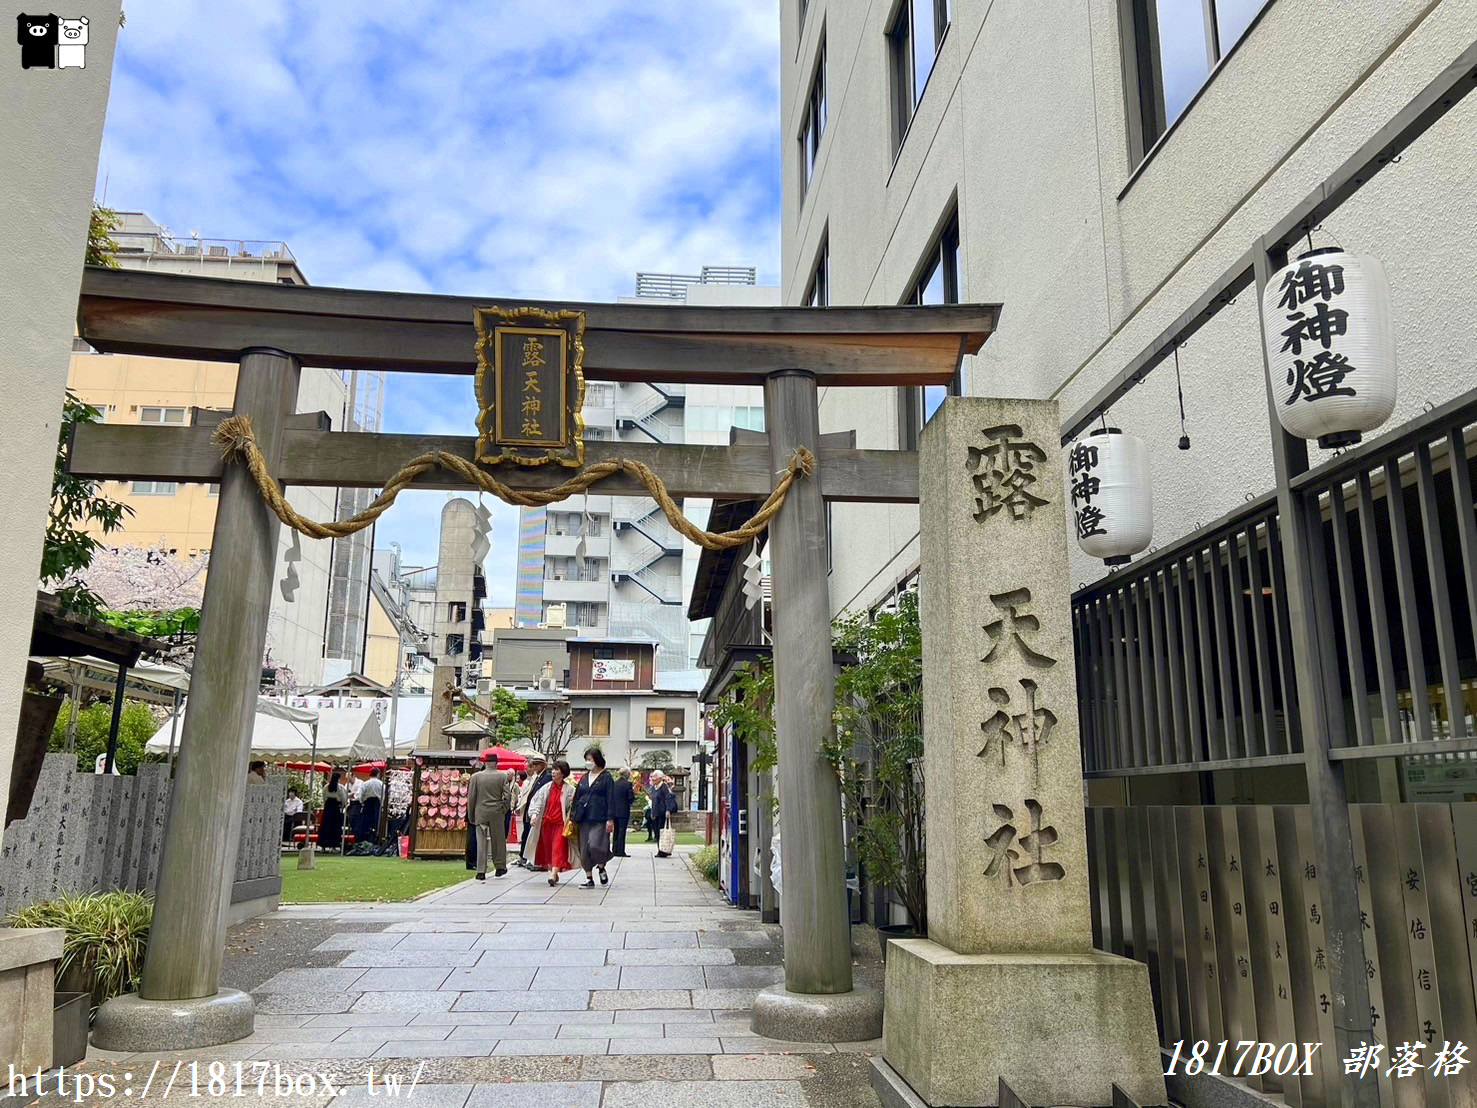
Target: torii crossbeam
(272, 331)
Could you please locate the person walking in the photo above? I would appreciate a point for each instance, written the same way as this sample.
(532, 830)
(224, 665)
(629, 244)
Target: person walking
(593, 802)
(539, 775)
(663, 804)
(549, 821)
(625, 797)
(490, 799)
(331, 834)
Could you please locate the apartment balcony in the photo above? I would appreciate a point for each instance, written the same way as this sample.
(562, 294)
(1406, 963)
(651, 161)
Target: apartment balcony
(557, 591)
(598, 417)
(565, 546)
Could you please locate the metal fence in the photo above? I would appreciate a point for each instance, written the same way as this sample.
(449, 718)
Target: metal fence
(1223, 904)
(1184, 659)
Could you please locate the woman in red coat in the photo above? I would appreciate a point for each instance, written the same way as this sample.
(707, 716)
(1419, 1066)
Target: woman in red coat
(548, 811)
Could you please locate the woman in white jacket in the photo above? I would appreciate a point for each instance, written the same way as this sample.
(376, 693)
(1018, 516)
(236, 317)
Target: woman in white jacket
(548, 815)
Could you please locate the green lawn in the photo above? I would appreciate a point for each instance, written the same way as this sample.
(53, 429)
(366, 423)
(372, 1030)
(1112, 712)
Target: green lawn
(338, 879)
(690, 838)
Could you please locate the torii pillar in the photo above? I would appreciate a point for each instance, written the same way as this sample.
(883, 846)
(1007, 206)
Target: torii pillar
(818, 1001)
(180, 1004)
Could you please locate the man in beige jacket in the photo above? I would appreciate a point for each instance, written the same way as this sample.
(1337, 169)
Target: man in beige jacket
(490, 798)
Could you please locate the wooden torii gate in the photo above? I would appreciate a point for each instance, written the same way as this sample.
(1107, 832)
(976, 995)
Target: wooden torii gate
(273, 331)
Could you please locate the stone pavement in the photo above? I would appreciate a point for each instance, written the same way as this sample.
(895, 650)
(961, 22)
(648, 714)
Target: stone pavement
(510, 992)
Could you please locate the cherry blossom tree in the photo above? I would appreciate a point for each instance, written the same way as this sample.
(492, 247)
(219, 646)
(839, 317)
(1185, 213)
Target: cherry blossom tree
(145, 579)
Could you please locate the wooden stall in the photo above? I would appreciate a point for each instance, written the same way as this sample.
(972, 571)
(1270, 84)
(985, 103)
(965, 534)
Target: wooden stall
(438, 802)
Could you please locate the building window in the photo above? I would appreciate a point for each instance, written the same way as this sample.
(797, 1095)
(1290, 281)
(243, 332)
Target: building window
(818, 291)
(814, 125)
(1170, 48)
(464, 742)
(456, 645)
(938, 283)
(591, 723)
(914, 39)
(155, 488)
(162, 415)
(662, 722)
(603, 653)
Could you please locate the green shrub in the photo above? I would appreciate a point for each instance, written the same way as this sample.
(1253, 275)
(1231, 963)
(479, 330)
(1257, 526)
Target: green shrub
(136, 727)
(706, 861)
(107, 934)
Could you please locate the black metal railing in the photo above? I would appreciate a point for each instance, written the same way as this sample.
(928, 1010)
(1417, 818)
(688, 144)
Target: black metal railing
(1184, 659)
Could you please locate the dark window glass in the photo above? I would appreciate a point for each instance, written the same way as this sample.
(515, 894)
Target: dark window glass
(937, 284)
(818, 293)
(913, 45)
(815, 121)
(1176, 44)
(1232, 18)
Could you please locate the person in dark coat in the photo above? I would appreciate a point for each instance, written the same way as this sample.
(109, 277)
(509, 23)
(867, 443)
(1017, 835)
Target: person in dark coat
(594, 801)
(663, 804)
(624, 796)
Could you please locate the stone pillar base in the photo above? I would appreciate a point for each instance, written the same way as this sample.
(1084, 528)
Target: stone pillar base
(131, 1023)
(1060, 1028)
(853, 1017)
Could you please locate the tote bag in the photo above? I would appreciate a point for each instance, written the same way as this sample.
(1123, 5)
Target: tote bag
(667, 841)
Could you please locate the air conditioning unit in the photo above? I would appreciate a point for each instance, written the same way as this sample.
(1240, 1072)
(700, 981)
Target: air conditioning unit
(547, 684)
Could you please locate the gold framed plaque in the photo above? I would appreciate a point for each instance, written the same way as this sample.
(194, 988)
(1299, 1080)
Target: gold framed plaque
(530, 386)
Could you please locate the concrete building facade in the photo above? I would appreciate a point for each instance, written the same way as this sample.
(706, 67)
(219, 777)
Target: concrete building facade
(613, 566)
(49, 185)
(458, 619)
(326, 618)
(1093, 167)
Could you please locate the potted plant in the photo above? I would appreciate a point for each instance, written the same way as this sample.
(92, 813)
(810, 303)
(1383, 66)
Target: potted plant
(102, 957)
(877, 751)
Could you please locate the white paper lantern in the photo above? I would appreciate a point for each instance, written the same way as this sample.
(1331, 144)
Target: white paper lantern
(1330, 346)
(1112, 495)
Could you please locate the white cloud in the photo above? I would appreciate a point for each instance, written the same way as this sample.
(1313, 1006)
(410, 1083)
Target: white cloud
(544, 149)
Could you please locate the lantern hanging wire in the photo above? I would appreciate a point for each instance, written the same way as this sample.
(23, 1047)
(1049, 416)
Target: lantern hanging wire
(1180, 388)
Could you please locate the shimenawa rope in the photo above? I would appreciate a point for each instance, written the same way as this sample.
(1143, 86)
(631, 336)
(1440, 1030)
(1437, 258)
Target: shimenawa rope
(237, 440)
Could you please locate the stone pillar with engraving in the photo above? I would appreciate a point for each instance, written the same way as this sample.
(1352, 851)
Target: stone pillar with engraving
(1007, 984)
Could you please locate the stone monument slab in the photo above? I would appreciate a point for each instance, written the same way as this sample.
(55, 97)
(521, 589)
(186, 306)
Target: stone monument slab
(1007, 984)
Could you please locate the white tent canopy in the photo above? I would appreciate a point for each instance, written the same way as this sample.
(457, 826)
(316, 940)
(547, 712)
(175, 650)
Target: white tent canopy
(154, 683)
(282, 733)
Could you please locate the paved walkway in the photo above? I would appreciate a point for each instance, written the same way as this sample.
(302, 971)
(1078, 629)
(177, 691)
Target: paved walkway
(509, 992)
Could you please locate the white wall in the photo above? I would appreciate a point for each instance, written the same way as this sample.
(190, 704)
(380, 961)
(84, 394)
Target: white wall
(50, 132)
(1023, 126)
(295, 630)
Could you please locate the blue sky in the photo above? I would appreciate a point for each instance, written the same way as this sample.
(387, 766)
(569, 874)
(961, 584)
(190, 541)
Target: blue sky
(510, 149)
